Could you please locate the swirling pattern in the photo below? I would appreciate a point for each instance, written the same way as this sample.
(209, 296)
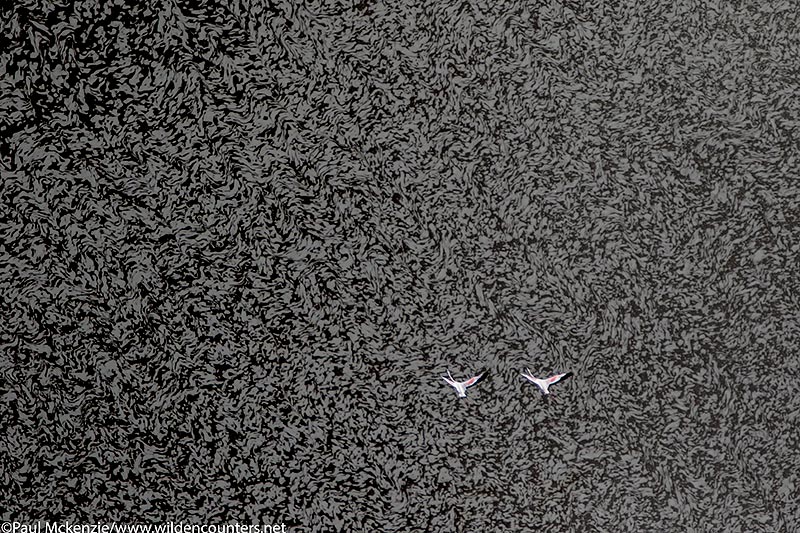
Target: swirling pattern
(241, 241)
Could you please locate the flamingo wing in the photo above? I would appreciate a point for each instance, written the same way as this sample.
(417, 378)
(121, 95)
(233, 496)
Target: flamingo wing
(554, 379)
(472, 381)
(542, 384)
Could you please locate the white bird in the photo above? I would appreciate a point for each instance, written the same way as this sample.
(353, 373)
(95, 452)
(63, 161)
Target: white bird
(461, 386)
(543, 384)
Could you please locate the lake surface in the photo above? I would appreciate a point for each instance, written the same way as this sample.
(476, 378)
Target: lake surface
(242, 243)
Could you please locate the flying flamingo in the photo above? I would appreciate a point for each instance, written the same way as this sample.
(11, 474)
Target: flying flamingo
(461, 386)
(544, 384)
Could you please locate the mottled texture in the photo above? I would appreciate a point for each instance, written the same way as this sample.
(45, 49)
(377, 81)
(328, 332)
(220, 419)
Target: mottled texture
(240, 242)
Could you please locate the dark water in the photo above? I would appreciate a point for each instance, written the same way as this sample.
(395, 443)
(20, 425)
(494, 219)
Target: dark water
(242, 242)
